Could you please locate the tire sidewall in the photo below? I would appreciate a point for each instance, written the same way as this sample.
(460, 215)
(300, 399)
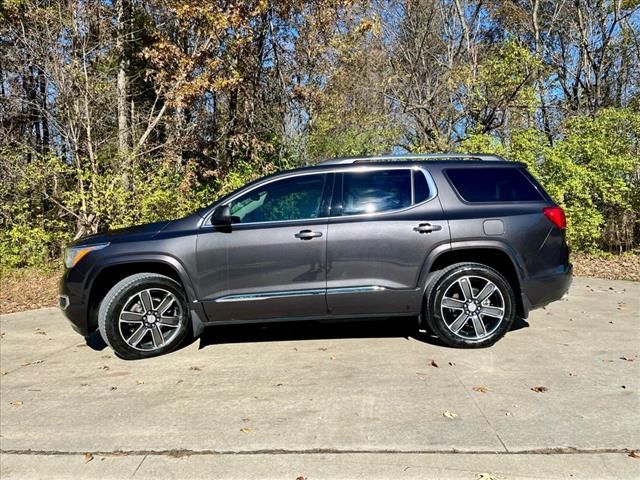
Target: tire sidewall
(440, 286)
(110, 313)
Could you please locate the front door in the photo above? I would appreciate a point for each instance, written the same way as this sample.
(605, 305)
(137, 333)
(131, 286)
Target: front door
(274, 252)
(384, 223)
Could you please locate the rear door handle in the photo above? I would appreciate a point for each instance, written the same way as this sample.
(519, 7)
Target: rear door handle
(427, 228)
(307, 234)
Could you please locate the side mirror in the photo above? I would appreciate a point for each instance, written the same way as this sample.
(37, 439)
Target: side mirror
(221, 215)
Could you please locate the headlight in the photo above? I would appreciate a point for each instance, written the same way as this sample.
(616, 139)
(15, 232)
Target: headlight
(72, 255)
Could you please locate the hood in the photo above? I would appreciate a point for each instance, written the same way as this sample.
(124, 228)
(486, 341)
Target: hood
(139, 232)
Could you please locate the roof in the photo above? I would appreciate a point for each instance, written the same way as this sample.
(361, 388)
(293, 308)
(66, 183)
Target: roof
(414, 157)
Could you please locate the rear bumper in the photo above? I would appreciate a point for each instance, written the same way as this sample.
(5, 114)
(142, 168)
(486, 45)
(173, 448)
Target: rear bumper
(540, 291)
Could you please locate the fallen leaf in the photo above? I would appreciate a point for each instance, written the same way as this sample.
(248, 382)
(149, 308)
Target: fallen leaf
(278, 385)
(84, 384)
(633, 454)
(301, 478)
(88, 457)
(434, 364)
(449, 414)
(481, 389)
(17, 403)
(195, 369)
(627, 359)
(245, 430)
(539, 389)
(40, 332)
(247, 419)
(323, 349)
(486, 476)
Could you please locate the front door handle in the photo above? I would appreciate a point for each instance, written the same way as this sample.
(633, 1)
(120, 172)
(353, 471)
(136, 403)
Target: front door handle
(427, 228)
(307, 234)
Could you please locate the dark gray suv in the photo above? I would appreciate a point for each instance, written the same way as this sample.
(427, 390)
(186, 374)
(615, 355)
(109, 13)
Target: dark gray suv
(463, 242)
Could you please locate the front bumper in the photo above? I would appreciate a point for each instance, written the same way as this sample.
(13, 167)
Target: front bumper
(540, 291)
(73, 302)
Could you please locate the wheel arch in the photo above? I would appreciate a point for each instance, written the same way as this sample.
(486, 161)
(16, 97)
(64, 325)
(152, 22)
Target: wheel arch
(496, 255)
(107, 274)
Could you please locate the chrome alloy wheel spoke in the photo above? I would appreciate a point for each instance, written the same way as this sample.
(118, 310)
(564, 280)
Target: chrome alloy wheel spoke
(497, 312)
(156, 334)
(137, 336)
(454, 303)
(465, 286)
(459, 322)
(171, 322)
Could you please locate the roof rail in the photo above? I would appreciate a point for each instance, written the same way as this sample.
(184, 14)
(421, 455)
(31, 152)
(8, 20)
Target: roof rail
(425, 156)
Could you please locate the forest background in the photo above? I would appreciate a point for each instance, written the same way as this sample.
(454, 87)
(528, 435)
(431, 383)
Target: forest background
(114, 113)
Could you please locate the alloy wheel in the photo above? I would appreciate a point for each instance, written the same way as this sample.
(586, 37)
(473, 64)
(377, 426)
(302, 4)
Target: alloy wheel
(472, 307)
(150, 319)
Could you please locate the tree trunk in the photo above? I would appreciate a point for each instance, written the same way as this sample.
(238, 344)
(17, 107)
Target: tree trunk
(124, 16)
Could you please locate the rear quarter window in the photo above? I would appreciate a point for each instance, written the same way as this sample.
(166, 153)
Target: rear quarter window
(500, 184)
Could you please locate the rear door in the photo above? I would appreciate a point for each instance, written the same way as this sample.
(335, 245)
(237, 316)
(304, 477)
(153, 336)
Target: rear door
(383, 224)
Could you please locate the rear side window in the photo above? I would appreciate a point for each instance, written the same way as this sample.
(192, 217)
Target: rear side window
(420, 187)
(501, 184)
(375, 191)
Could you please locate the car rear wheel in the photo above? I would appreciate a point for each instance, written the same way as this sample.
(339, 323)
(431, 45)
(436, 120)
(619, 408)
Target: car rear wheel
(143, 316)
(469, 305)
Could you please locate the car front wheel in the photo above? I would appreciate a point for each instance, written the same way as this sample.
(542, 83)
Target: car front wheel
(143, 316)
(469, 305)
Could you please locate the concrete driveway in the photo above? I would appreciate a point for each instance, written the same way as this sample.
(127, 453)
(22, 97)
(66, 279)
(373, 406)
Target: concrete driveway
(322, 400)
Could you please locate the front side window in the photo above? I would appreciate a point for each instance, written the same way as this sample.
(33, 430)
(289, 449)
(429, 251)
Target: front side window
(294, 198)
(375, 191)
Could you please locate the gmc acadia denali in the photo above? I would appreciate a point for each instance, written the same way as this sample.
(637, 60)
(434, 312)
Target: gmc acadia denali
(462, 242)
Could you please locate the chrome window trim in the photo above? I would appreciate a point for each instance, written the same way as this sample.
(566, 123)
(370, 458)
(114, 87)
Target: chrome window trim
(252, 297)
(206, 222)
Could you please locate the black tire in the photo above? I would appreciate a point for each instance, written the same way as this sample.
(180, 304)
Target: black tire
(127, 291)
(447, 281)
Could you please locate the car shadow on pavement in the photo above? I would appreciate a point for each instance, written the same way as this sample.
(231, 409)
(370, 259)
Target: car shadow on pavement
(323, 330)
(309, 330)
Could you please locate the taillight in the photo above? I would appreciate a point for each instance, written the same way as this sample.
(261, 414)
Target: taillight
(556, 215)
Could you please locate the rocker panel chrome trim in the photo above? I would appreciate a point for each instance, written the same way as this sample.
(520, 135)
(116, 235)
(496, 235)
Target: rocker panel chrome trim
(252, 297)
